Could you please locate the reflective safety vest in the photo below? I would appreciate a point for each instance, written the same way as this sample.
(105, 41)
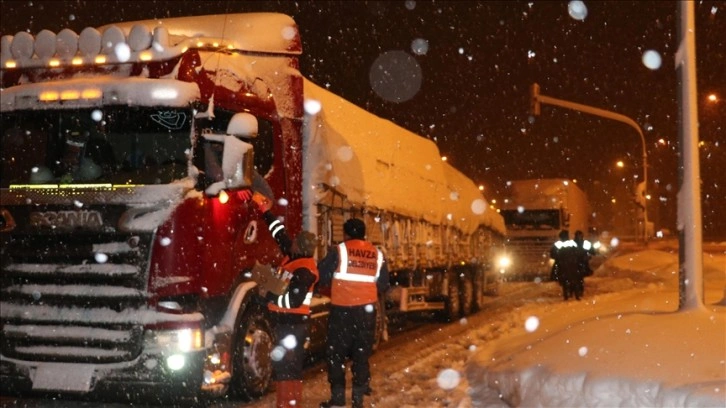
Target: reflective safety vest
(568, 243)
(354, 281)
(283, 301)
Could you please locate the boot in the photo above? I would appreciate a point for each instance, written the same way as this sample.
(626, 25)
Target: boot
(357, 401)
(337, 399)
(289, 394)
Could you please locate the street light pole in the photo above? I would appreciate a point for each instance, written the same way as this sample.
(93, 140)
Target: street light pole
(690, 224)
(537, 98)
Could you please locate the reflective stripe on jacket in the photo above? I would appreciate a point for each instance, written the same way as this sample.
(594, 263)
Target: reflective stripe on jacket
(283, 301)
(354, 281)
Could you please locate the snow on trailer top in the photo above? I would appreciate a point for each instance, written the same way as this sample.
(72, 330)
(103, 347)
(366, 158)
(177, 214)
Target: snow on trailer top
(379, 165)
(473, 208)
(538, 193)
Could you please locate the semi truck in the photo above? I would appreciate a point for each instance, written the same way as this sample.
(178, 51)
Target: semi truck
(128, 240)
(535, 211)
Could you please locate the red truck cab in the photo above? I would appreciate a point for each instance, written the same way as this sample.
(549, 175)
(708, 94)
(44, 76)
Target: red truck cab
(126, 244)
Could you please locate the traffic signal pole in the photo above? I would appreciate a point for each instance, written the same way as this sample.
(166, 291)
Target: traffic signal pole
(536, 99)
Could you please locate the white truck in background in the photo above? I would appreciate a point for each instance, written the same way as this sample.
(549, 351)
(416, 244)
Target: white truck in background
(534, 212)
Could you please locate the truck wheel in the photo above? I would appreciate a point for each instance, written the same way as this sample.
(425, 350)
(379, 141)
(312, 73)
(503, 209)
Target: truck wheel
(453, 301)
(467, 297)
(479, 290)
(251, 364)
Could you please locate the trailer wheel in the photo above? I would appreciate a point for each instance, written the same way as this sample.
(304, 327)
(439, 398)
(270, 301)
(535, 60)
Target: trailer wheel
(453, 301)
(479, 287)
(467, 297)
(251, 364)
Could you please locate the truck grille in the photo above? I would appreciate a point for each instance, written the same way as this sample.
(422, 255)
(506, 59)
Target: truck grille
(72, 298)
(530, 255)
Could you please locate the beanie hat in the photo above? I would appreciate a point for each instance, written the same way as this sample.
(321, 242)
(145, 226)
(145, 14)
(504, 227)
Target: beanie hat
(306, 243)
(355, 228)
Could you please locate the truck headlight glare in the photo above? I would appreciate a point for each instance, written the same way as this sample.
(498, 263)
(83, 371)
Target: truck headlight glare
(504, 262)
(175, 362)
(181, 340)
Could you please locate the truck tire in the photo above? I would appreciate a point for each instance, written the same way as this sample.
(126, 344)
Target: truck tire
(479, 290)
(251, 364)
(453, 300)
(467, 296)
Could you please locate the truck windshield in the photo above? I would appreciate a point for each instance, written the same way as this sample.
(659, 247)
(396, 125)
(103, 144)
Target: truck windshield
(531, 219)
(118, 145)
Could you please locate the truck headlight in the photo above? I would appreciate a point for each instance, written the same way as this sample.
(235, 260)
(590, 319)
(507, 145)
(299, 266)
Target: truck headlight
(503, 263)
(180, 340)
(177, 340)
(176, 362)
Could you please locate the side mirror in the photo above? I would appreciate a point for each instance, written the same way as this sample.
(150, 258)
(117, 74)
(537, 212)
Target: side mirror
(237, 164)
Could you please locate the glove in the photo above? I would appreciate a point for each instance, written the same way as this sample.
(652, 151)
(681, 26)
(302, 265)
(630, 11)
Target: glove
(245, 195)
(267, 280)
(261, 202)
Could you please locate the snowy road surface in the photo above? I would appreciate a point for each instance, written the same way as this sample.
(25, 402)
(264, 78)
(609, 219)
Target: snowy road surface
(428, 366)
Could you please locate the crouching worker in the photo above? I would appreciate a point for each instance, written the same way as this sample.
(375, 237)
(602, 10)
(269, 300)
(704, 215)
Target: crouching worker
(289, 305)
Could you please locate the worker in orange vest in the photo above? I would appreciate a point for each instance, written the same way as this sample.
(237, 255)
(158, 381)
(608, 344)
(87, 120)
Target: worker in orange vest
(355, 272)
(289, 306)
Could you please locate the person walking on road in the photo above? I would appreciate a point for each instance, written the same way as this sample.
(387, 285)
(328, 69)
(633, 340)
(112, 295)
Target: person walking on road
(564, 236)
(567, 269)
(289, 306)
(587, 250)
(356, 273)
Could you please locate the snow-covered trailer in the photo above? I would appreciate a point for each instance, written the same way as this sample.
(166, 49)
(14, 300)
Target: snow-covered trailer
(432, 222)
(127, 240)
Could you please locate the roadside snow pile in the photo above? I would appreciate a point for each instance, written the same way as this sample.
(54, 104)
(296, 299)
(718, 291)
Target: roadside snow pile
(629, 348)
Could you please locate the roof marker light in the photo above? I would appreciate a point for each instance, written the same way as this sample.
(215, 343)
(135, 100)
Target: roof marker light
(48, 96)
(91, 93)
(145, 56)
(89, 42)
(66, 44)
(160, 38)
(45, 44)
(70, 94)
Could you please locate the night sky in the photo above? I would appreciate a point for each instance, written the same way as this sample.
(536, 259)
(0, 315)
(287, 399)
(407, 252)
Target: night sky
(465, 69)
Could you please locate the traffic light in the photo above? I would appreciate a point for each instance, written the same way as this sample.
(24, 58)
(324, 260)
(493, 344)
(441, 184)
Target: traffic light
(639, 196)
(534, 108)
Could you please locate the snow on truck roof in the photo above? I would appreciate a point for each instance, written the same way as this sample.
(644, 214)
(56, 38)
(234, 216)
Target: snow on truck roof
(377, 164)
(540, 193)
(152, 39)
(260, 32)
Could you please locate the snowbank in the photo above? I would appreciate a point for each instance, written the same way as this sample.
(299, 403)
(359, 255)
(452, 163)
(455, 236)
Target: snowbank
(630, 348)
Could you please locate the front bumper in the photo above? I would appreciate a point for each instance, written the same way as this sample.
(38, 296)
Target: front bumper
(147, 378)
